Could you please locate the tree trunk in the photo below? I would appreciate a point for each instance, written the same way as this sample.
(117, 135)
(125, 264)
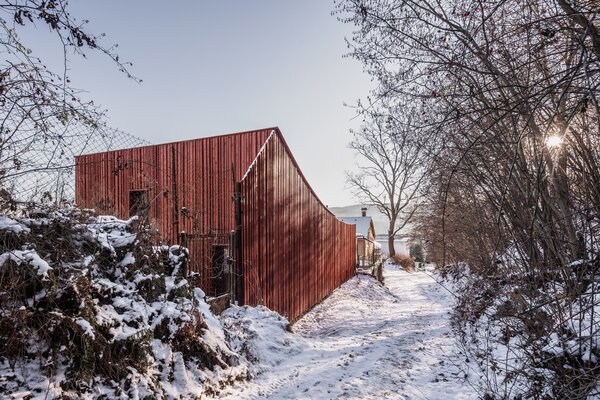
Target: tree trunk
(391, 249)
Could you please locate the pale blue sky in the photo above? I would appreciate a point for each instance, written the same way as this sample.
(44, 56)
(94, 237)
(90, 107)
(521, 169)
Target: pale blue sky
(212, 67)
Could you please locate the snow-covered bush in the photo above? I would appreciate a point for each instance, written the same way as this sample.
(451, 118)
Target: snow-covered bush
(89, 307)
(534, 334)
(261, 336)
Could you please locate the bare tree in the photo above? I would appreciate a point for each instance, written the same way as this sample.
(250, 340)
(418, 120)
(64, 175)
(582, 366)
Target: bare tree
(391, 175)
(511, 89)
(37, 103)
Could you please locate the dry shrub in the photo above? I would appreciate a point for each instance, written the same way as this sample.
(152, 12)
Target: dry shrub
(188, 340)
(47, 308)
(405, 261)
(105, 297)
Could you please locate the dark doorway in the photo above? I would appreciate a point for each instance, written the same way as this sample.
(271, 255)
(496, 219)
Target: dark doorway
(220, 269)
(138, 203)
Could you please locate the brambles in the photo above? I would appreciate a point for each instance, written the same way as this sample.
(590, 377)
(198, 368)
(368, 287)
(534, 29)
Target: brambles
(95, 305)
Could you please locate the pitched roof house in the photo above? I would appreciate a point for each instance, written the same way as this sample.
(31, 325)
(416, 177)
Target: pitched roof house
(365, 237)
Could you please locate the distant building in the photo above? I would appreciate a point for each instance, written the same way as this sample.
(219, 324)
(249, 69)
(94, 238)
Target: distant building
(367, 249)
(401, 244)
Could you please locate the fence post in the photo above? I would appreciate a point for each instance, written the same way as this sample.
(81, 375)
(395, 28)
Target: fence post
(238, 291)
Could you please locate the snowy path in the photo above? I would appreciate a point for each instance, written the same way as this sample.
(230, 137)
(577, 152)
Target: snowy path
(369, 342)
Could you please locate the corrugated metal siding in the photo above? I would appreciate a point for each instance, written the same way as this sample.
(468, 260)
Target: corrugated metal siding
(295, 251)
(205, 173)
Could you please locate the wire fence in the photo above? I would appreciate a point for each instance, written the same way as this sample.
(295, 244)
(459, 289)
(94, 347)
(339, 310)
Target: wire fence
(37, 161)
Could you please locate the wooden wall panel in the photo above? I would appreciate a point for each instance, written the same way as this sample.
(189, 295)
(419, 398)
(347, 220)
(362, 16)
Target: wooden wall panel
(205, 172)
(296, 252)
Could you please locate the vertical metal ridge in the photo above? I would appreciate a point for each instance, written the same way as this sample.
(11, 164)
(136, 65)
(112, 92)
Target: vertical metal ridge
(295, 252)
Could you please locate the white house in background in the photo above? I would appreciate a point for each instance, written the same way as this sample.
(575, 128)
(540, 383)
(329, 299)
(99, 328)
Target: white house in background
(367, 249)
(401, 244)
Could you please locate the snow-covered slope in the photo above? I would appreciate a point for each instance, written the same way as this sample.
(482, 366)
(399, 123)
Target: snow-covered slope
(88, 309)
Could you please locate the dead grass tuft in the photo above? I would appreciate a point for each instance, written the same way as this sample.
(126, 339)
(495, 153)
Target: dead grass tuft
(405, 261)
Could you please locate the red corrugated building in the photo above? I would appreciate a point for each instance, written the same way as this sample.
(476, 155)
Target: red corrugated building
(239, 202)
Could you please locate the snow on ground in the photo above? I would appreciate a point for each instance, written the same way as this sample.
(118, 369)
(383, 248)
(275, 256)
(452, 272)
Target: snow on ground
(365, 341)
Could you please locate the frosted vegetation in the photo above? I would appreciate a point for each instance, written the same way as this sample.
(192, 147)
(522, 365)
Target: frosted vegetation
(532, 335)
(90, 309)
(502, 98)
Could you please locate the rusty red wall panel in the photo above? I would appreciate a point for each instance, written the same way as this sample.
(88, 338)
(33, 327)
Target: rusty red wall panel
(295, 250)
(206, 170)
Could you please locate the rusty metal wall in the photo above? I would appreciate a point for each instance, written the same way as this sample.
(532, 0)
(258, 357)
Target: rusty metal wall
(295, 251)
(197, 176)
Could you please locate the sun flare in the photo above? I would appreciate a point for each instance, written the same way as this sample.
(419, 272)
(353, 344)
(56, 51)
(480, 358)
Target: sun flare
(554, 141)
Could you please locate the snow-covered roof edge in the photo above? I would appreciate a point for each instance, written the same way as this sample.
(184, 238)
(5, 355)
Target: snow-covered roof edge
(262, 148)
(277, 132)
(363, 224)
